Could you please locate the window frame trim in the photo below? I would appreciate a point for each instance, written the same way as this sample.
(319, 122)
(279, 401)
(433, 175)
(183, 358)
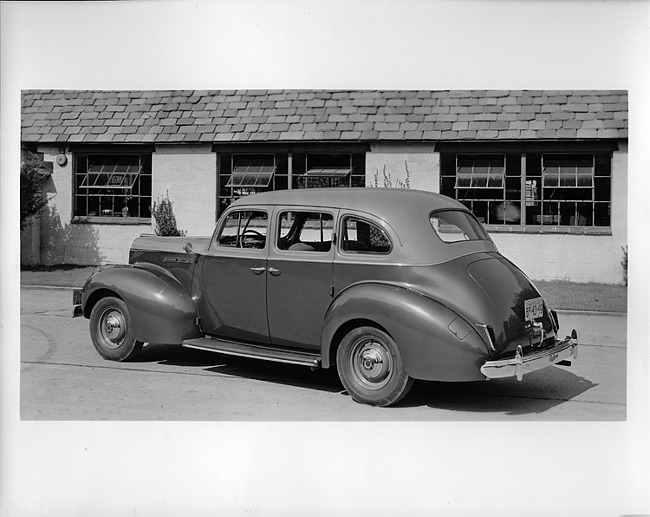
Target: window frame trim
(302, 253)
(215, 248)
(524, 150)
(87, 151)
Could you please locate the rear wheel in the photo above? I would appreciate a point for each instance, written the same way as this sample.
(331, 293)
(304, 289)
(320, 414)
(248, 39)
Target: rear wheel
(111, 330)
(370, 367)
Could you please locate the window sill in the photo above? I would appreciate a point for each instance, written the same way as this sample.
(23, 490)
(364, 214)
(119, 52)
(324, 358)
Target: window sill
(549, 229)
(111, 220)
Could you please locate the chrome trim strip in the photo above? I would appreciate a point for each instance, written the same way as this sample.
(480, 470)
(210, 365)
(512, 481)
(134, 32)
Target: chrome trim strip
(314, 363)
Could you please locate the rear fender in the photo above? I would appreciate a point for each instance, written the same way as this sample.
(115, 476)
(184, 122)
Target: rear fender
(162, 311)
(435, 343)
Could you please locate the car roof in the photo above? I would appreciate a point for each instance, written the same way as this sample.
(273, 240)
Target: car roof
(385, 203)
(406, 211)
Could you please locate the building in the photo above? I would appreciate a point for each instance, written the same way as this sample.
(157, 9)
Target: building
(545, 171)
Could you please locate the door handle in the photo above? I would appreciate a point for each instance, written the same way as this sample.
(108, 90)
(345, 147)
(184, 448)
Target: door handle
(274, 272)
(258, 270)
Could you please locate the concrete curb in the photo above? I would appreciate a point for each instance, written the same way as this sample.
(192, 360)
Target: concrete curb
(586, 313)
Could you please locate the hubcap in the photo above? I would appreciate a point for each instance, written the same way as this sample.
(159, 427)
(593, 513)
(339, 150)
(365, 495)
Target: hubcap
(371, 363)
(113, 328)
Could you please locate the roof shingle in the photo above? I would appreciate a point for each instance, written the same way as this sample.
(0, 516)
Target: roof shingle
(317, 115)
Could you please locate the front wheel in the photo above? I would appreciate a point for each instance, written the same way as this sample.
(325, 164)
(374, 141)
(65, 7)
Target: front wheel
(111, 330)
(370, 367)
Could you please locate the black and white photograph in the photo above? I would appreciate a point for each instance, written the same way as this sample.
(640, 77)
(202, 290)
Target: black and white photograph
(274, 256)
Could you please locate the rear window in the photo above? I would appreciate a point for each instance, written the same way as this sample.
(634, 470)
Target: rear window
(456, 226)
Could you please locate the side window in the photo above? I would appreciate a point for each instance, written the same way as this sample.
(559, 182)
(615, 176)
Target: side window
(362, 236)
(244, 229)
(305, 231)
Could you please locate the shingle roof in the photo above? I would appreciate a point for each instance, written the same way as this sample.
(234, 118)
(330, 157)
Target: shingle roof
(321, 115)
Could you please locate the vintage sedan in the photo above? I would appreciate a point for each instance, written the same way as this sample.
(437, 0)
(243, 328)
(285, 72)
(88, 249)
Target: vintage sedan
(385, 285)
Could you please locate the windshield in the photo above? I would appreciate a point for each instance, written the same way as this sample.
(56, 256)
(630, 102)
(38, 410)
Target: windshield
(456, 226)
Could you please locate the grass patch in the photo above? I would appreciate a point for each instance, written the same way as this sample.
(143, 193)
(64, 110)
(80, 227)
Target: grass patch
(560, 294)
(56, 276)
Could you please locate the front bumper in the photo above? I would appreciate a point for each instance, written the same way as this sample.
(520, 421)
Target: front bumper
(522, 364)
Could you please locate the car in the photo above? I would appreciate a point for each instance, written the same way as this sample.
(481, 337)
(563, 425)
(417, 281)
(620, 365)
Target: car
(386, 286)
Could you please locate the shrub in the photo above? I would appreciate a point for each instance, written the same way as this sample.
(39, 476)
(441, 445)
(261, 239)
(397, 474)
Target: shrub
(624, 263)
(33, 175)
(163, 214)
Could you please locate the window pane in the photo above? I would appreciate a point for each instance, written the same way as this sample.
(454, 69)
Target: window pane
(455, 226)
(306, 231)
(506, 213)
(602, 215)
(361, 236)
(244, 229)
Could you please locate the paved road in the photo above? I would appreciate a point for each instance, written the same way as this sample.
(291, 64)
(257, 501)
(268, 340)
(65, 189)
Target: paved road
(63, 378)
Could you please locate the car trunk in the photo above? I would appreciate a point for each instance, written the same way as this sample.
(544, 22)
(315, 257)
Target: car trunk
(513, 297)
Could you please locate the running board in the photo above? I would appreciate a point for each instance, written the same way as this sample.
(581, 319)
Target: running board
(254, 351)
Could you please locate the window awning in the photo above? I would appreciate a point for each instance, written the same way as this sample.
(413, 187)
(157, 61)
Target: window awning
(118, 172)
(480, 172)
(566, 179)
(476, 180)
(328, 172)
(251, 173)
(568, 171)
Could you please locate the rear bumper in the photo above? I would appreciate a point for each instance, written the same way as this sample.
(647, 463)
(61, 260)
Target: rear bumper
(522, 364)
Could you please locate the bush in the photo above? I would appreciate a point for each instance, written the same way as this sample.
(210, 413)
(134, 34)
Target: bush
(33, 175)
(624, 263)
(163, 214)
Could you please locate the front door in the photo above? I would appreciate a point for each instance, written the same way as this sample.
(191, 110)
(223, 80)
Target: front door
(232, 279)
(299, 277)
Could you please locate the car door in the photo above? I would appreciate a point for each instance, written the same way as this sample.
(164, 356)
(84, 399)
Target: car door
(299, 279)
(232, 278)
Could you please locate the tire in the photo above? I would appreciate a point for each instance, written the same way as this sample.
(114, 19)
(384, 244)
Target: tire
(111, 330)
(370, 367)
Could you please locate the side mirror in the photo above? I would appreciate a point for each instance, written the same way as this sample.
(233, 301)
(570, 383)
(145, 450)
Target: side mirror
(188, 247)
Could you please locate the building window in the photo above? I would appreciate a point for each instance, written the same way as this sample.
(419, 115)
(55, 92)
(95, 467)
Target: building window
(112, 185)
(243, 174)
(536, 189)
(328, 170)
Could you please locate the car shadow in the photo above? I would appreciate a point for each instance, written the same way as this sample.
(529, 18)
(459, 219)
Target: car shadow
(537, 393)
(254, 369)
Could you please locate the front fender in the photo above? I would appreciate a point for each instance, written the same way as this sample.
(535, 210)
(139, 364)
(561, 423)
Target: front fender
(435, 342)
(162, 311)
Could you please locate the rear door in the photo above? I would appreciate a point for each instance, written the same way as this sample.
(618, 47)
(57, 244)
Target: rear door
(232, 278)
(300, 273)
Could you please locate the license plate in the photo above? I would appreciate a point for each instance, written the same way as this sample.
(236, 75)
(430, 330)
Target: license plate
(534, 308)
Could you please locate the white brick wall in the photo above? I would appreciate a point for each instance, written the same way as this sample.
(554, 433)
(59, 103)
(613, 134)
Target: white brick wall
(189, 173)
(423, 165)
